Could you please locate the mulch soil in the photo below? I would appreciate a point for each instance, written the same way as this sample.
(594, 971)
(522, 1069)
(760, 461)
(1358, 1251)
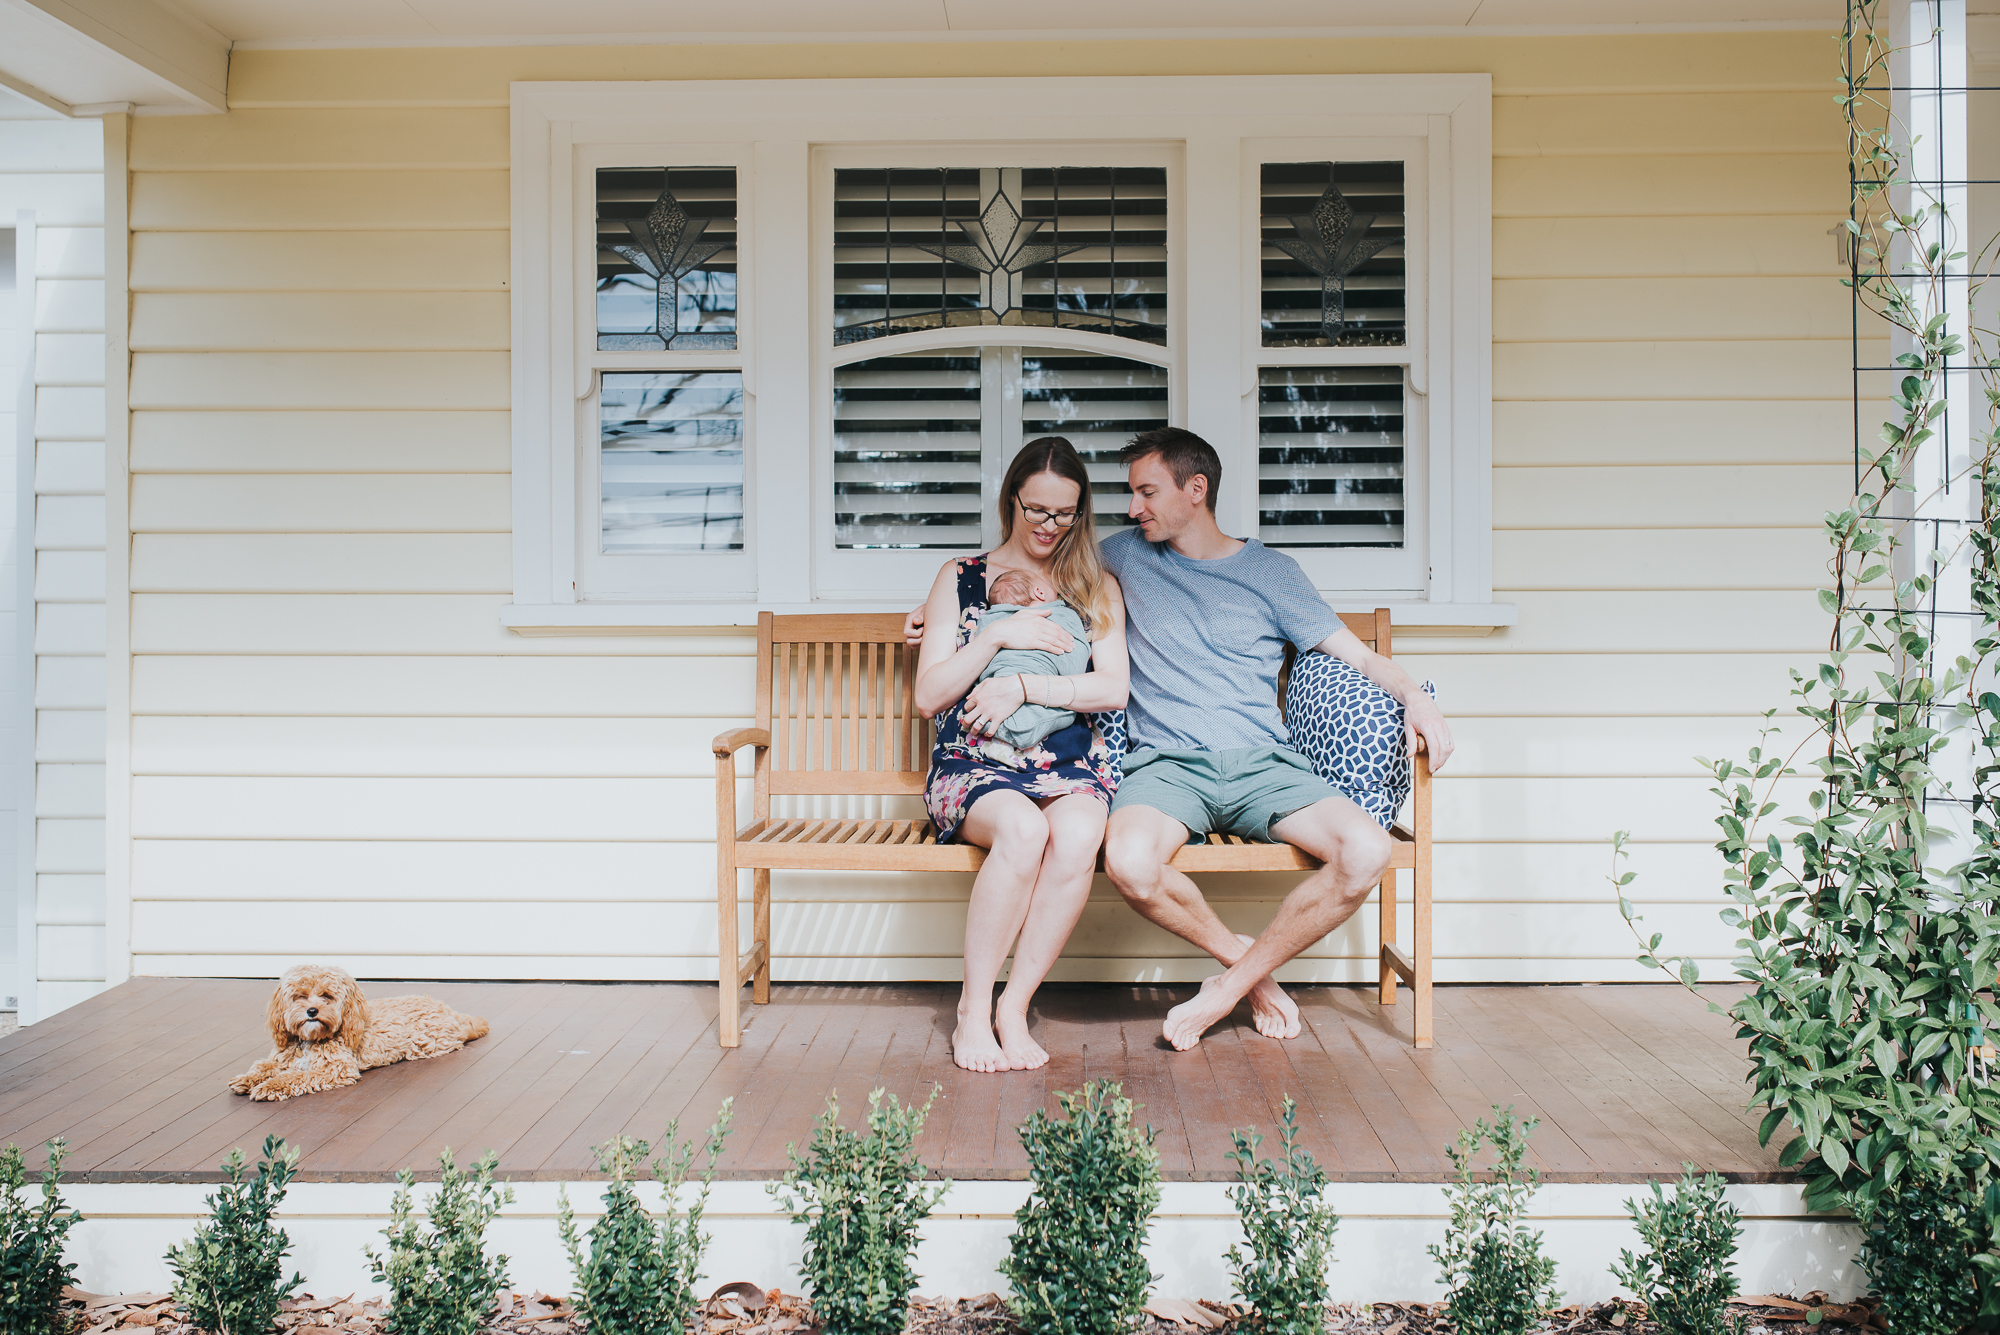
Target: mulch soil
(746, 1309)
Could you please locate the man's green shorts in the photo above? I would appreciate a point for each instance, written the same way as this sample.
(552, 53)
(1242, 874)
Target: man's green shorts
(1241, 792)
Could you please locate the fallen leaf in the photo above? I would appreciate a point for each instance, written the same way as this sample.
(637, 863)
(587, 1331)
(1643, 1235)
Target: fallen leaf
(751, 1294)
(1182, 1312)
(1396, 1329)
(1770, 1300)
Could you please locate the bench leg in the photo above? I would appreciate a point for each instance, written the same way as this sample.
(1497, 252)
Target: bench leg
(729, 1015)
(1420, 910)
(760, 916)
(1385, 895)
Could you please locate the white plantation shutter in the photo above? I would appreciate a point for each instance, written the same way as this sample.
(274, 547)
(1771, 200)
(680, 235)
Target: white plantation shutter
(922, 439)
(1097, 403)
(1330, 456)
(671, 461)
(906, 451)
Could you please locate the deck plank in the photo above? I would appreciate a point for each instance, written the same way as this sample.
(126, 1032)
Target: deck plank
(1630, 1081)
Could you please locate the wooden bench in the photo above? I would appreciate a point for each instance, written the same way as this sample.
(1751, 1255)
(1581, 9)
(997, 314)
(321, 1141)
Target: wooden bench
(835, 719)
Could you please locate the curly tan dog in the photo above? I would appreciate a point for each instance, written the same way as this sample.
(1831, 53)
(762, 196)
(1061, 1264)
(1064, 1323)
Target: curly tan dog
(325, 1033)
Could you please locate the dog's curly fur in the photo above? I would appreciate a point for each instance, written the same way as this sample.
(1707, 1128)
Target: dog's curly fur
(325, 1033)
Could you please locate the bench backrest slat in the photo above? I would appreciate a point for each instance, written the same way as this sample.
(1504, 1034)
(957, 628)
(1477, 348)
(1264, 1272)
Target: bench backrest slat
(838, 693)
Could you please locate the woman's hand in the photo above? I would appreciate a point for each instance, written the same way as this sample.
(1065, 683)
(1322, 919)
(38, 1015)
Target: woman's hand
(992, 701)
(1029, 628)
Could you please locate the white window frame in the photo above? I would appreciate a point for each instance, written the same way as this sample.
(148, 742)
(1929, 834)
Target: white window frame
(781, 133)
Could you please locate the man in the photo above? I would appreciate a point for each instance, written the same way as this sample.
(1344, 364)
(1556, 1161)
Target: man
(1207, 620)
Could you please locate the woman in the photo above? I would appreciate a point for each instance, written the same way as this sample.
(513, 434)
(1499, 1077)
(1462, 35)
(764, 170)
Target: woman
(1042, 823)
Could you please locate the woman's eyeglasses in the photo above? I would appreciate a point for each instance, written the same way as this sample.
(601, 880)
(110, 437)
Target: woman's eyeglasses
(1037, 518)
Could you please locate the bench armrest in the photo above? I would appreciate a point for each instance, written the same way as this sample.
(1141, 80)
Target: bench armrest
(729, 743)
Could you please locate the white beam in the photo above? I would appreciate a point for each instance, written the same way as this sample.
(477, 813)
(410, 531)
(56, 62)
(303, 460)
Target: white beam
(192, 58)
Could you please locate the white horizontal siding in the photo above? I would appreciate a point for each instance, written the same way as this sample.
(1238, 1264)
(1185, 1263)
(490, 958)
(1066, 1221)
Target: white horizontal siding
(326, 712)
(55, 168)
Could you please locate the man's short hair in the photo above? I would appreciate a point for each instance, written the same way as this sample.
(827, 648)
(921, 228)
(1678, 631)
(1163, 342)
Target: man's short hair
(1183, 453)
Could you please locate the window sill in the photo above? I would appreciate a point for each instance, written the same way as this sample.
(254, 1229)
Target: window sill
(1424, 619)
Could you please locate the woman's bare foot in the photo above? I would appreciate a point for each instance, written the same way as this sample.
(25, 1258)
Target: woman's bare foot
(1275, 1014)
(1022, 1052)
(974, 1049)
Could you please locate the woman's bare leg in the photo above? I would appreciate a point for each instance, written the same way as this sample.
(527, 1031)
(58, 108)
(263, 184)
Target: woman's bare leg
(1014, 832)
(1076, 829)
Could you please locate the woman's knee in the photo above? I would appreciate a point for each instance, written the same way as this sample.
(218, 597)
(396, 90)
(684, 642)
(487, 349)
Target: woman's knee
(1075, 835)
(1018, 829)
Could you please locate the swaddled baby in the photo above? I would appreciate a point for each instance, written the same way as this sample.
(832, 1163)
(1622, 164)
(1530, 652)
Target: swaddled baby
(1030, 724)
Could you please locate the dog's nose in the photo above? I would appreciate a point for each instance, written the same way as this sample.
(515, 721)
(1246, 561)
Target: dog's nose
(312, 1012)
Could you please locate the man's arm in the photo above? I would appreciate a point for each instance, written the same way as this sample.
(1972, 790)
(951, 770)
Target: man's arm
(1421, 716)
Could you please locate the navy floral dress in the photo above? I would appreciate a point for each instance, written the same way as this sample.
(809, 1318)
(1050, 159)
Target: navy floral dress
(1077, 759)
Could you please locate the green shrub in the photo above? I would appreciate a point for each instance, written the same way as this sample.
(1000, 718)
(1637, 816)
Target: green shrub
(1494, 1267)
(1075, 1262)
(1684, 1276)
(32, 1271)
(1919, 1237)
(230, 1276)
(1290, 1225)
(638, 1278)
(861, 1199)
(441, 1282)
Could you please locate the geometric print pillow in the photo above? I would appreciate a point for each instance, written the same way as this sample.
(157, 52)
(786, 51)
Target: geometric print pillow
(1351, 731)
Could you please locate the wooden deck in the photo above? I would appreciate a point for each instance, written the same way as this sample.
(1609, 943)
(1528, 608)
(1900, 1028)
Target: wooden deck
(1629, 1081)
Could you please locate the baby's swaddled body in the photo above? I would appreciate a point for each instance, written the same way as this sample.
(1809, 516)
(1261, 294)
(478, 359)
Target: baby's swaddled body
(1029, 724)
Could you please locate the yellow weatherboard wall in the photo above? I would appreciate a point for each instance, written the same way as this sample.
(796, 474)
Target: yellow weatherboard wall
(338, 752)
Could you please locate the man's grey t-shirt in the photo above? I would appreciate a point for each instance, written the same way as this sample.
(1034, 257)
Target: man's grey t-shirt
(1207, 639)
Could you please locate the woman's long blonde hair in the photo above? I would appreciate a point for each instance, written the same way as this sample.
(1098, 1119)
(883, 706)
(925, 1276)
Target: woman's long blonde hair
(1074, 566)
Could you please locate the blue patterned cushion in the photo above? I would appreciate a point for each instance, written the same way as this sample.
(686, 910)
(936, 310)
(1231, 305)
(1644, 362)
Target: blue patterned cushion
(1111, 727)
(1351, 731)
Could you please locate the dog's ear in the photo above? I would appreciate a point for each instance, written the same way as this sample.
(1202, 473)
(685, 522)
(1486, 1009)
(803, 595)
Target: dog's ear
(354, 1018)
(274, 1016)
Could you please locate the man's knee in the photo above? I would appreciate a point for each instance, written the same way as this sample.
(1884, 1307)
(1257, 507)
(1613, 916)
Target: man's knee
(1133, 863)
(1367, 850)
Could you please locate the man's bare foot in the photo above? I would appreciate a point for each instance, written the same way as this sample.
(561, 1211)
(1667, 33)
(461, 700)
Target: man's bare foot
(973, 1047)
(1275, 1014)
(1022, 1052)
(1187, 1022)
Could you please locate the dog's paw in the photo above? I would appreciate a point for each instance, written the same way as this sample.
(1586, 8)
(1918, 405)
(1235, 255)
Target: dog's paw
(240, 1085)
(271, 1091)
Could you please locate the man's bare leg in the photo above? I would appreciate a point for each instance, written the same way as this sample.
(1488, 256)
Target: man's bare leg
(1355, 850)
(1137, 846)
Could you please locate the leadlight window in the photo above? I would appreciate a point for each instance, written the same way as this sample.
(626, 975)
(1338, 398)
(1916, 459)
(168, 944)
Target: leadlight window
(954, 247)
(1333, 257)
(670, 462)
(922, 439)
(666, 258)
(1330, 456)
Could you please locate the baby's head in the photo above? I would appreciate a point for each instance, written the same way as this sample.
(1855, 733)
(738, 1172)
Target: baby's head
(1020, 589)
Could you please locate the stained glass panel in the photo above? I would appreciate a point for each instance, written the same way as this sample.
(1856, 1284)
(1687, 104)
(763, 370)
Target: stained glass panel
(1332, 258)
(666, 258)
(1061, 247)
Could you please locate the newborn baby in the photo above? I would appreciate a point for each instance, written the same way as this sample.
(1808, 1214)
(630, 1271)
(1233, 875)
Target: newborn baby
(1026, 726)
